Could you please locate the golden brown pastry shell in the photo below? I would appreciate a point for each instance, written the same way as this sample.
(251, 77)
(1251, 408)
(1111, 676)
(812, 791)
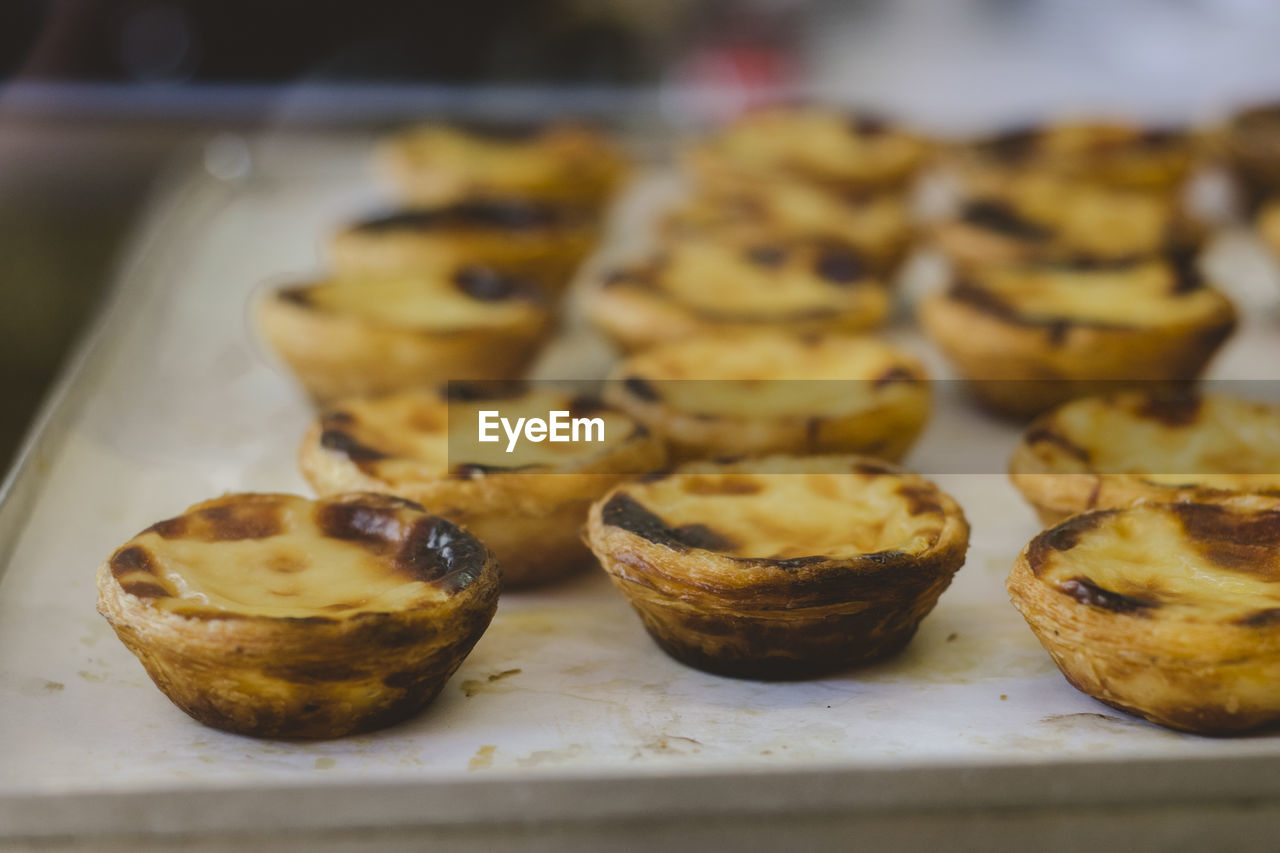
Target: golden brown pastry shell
(780, 620)
(635, 318)
(303, 677)
(562, 163)
(1205, 677)
(337, 355)
(1019, 370)
(532, 521)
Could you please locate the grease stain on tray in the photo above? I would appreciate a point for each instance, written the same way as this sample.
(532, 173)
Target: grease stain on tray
(475, 686)
(483, 758)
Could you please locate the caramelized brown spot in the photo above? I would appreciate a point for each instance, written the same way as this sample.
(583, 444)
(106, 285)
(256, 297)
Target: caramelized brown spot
(354, 522)
(1242, 542)
(300, 295)
(868, 124)
(586, 404)
(625, 512)
(439, 552)
(1064, 537)
(1175, 411)
(1260, 618)
(286, 563)
(1047, 435)
(232, 522)
(870, 468)
(1087, 592)
(921, 499)
(897, 373)
(489, 285)
(170, 528)
(480, 213)
(461, 390)
(1002, 218)
(723, 485)
(641, 388)
(135, 558)
(343, 442)
(145, 589)
(839, 265)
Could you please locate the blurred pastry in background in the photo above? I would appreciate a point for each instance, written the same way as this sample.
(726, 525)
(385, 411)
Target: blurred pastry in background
(525, 238)
(1110, 153)
(1044, 218)
(437, 164)
(760, 393)
(780, 568)
(356, 336)
(1267, 223)
(528, 505)
(1144, 447)
(1166, 611)
(274, 616)
(831, 147)
(878, 225)
(1251, 144)
(757, 279)
(1027, 338)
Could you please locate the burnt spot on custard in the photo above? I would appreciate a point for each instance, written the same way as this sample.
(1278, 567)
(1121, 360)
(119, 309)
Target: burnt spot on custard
(135, 558)
(497, 213)
(1043, 434)
(767, 256)
(351, 521)
(838, 265)
(299, 295)
(1172, 410)
(921, 499)
(641, 389)
(869, 124)
(585, 405)
(235, 521)
(626, 513)
(489, 285)
(1241, 542)
(439, 552)
(1057, 329)
(1064, 537)
(340, 441)
(1012, 146)
(1185, 271)
(1087, 592)
(1266, 618)
(871, 468)
(894, 375)
(1002, 218)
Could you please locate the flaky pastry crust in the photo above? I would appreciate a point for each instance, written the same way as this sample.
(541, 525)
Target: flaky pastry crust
(439, 164)
(528, 507)
(362, 337)
(1032, 337)
(1167, 611)
(274, 616)
(1139, 447)
(702, 283)
(783, 567)
(761, 393)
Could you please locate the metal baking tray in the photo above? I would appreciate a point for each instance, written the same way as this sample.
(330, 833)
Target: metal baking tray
(566, 727)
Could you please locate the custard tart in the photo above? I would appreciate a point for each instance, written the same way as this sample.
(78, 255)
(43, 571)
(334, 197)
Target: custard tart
(275, 616)
(1140, 447)
(877, 225)
(1117, 154)
(760, 393)
(363, 336)
(520, 237)
(783, 567)
(1167, 611)
(528, 504)
(439, 164)
(701, 283)
(1029, 337)
(827, 146)
(1043, 218)
(1252, 143)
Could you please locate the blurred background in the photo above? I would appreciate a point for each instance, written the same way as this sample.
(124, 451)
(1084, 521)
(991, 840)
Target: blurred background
(97, 96)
